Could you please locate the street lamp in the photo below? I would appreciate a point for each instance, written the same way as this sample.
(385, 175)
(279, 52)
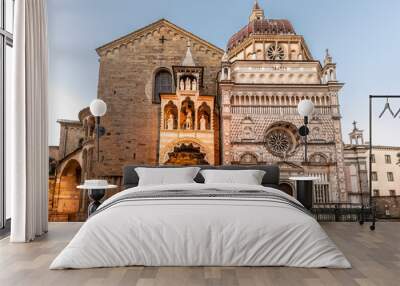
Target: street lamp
(98, 108)
(305, 109)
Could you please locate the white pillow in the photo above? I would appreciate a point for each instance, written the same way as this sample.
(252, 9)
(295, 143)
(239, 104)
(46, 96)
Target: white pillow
(166, 176)
(248, 177)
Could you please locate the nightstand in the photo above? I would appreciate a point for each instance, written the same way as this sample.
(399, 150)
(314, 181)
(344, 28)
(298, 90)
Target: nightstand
(304, 186)
(95, 193)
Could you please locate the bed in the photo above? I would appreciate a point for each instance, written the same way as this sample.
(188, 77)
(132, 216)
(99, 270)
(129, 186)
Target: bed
(198, 224)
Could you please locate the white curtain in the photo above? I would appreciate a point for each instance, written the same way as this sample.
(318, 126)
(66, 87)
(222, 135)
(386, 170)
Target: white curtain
(27, 120)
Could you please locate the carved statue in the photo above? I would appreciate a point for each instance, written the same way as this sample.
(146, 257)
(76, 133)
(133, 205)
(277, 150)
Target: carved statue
(181, 84)
(203, 123)
(247, 132)
(187, 84)
(188, 121)
(194, 84)
(170, 122)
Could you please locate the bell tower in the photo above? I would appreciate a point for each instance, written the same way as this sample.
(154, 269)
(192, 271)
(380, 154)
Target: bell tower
(356, 136)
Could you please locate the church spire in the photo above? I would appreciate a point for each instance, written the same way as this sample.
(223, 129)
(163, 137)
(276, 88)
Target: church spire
(188, 60)
(328, 57)
(257, 13)
(256, 6)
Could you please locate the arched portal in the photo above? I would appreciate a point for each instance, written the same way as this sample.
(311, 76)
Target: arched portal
(186, 154)
(68, 195)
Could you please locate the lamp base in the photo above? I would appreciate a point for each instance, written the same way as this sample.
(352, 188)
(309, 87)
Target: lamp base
(95, 195)
(305, 193)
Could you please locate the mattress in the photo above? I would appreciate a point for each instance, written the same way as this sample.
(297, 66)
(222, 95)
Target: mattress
(201, 225)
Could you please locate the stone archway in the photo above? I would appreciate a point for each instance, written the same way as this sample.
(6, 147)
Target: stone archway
(248, 159)
(186, 154)
(318, 158)
(287, 188)
(68, 197)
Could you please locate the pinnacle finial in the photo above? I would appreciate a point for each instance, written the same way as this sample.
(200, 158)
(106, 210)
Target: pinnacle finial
(257, 13)
(188, 60)
(328, 57)
(225, 57)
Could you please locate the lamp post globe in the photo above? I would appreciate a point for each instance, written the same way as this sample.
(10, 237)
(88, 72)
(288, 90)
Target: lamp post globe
(305, 107)
(98, 107)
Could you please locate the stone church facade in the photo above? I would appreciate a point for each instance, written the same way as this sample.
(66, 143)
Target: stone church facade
(174, 98)
(134, 71)
(266, 71)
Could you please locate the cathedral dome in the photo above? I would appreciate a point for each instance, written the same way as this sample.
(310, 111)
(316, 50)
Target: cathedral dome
(261, 27)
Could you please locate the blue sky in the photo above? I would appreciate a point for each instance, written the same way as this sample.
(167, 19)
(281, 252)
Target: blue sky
(362, 35)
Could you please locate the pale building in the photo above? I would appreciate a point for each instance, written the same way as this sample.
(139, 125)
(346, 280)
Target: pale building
(385, 171)
(266, 71)
(385, 166)
(385, 161)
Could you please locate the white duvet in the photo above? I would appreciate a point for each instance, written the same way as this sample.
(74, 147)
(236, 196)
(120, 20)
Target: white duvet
(200, 231)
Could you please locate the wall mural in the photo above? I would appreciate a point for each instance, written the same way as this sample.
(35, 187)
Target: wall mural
(199, 104)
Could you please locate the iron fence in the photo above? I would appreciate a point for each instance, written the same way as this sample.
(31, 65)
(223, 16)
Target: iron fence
(344, 212)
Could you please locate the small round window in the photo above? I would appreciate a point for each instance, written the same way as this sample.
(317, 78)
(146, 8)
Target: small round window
(275, 53)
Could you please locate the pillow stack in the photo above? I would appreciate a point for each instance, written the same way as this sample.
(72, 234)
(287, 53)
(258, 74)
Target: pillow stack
(166, 176)
(247, 177)
(186, 175)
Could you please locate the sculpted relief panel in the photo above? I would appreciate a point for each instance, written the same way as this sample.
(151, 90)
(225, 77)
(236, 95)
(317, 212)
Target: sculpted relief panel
(247, 129)
(277, 73)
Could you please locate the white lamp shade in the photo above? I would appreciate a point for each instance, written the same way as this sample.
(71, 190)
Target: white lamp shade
(98, 107)
(305, 107)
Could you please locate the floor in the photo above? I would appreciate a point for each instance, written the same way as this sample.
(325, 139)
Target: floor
(375, 256)
(4, 232)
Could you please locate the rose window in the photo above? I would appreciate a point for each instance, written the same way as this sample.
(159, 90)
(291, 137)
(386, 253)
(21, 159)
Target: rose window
(281, 142)
(275, 53)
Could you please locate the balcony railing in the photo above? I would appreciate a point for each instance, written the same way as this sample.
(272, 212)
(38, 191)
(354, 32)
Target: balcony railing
(278, 110)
